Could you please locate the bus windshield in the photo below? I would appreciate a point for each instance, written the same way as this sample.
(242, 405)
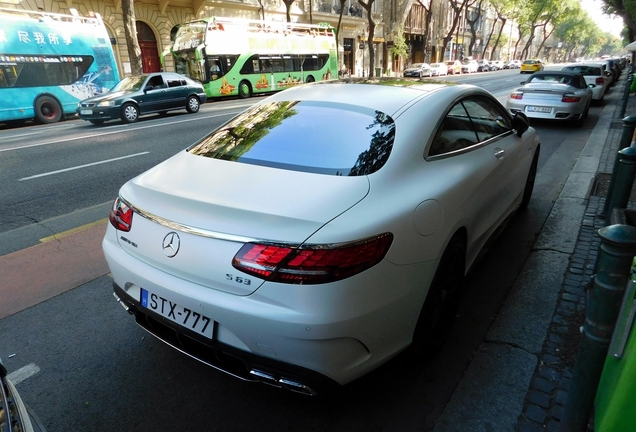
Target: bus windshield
(232, 57)
(50, 62)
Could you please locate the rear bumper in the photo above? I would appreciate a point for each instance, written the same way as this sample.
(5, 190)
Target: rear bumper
(240, 364)
(318, 335)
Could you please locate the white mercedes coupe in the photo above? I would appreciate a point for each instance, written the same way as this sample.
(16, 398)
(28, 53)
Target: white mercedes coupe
(324, 230)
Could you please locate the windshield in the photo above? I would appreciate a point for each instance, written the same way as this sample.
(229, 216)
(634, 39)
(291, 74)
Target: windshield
(416, 65)
(133, 83)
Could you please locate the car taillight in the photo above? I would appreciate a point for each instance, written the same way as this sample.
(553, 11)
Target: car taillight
(518, 96)
(600, 81)
(311, 264)
(570, 98)
(121, 215)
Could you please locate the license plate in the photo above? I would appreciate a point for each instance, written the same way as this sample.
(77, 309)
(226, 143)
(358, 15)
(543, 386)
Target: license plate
(86, 112)
(176, 313)
(539, 109)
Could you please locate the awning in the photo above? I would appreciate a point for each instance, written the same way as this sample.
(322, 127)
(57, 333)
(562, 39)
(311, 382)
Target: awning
(631, 47)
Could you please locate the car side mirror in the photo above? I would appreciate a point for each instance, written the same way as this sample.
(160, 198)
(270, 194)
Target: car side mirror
(520, 123)
(147, 88)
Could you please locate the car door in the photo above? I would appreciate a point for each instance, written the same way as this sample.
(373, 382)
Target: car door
(494, 129)
(477, 135)
(177, 91)
(154, 95)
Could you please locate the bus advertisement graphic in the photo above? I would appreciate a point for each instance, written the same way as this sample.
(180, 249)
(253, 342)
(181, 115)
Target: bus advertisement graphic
(233, 57)
(50, 62)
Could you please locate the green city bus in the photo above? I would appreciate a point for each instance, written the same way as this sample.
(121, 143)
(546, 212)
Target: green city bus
(233, 57)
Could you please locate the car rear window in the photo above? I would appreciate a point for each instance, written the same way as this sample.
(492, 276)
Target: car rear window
(315, 137)
(583, 70)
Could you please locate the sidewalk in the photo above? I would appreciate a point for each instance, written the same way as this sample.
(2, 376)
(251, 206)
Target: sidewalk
(519, 378)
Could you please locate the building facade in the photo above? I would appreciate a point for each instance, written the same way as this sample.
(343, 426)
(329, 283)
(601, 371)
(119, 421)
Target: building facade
(426, 24)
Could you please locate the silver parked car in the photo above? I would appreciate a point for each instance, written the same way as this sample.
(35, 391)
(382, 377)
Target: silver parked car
(563, 96)
(419, 70)
(307, 263)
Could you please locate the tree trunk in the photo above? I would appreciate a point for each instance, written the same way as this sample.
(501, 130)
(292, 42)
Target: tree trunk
(492, 30)
(368, 6)
(130, 30)
(494, 48)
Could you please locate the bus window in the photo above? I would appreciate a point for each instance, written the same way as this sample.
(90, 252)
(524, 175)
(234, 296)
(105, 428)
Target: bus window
(214, 68)
(288, 63)
(277, 64)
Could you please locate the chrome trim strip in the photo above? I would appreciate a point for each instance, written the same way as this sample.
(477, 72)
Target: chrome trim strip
(192, 230)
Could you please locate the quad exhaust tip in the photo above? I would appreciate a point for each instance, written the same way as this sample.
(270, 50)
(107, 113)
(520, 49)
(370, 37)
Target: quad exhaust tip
(291, 385)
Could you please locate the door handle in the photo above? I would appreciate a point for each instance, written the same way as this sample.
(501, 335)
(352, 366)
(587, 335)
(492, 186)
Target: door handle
(499, 153)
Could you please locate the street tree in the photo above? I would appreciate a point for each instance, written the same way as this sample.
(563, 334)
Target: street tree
(457, 9)
(130, 31)
(288, 6)
(400, 48)
(625, 9)
(368, 6)
(473, 22)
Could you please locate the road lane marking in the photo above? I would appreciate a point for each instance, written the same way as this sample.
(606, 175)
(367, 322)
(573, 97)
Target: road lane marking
(72, 231)
(128, 129)
(82, 166)
(16, 377)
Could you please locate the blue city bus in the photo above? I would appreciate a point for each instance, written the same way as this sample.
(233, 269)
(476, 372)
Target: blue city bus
(49, 62)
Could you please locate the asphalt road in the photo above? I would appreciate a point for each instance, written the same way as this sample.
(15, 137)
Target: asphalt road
(82, 362)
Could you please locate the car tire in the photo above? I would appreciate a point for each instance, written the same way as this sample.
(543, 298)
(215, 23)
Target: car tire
(579, 122)
(440, 307)
(129, 113)
(97, 122)
(310, 79)
(193, 104)
(245, 89)
(47, 110)
(529, 186)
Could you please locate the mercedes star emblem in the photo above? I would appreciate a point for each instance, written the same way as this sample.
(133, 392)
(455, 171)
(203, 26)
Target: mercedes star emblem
(171, 243)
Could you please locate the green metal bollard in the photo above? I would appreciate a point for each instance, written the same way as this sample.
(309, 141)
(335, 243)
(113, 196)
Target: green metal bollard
(623, 176)
(617, 250)
(628, 84)
(629, 124)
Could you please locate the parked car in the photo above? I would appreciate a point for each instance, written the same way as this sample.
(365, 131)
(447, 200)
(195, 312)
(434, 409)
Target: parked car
(15, 415)
(439, 69)
(531, 66)
(143, 94)
(469, 66)
(351, 246)
(483, 66)
(497, 65)
(512, 64)
(595, 78)
(419, 70)
(563, 96)
(611, 67)
(454, 67)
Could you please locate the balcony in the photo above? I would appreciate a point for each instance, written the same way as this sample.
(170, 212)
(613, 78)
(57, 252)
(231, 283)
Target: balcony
(331, 8)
